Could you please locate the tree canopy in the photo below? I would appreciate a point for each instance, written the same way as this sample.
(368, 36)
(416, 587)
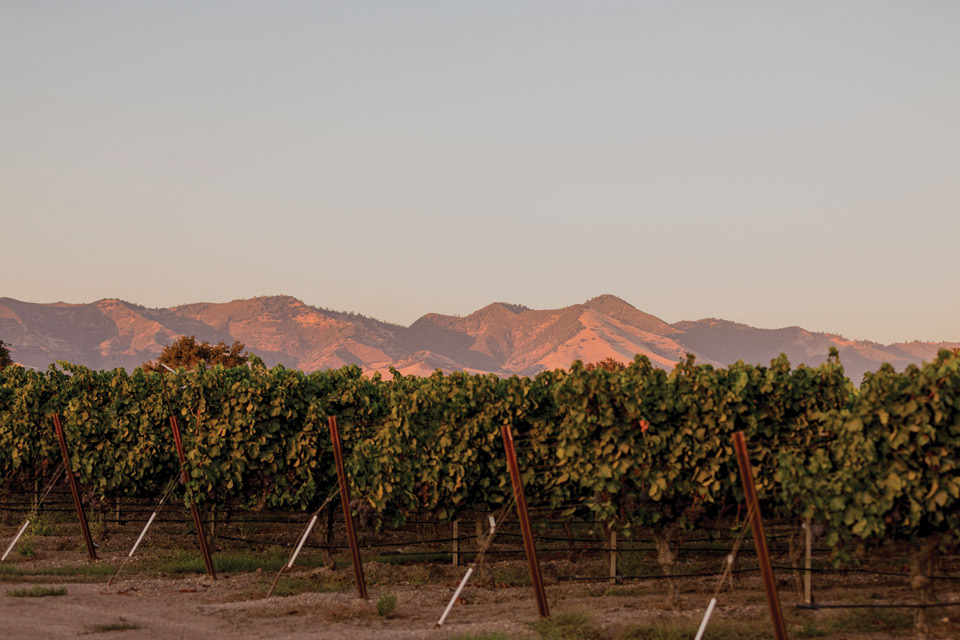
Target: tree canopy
(609, 363)
(186, 352)
(5, 359)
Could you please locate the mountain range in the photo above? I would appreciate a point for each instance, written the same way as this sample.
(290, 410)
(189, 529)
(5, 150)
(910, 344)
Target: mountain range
(501, 338)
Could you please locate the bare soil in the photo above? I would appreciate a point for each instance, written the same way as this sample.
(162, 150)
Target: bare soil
(153, 600)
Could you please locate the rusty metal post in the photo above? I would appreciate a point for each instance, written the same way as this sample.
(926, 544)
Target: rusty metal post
(74, 489)
(524, 519)
(345, 499)
(197, 520)
(759, 538)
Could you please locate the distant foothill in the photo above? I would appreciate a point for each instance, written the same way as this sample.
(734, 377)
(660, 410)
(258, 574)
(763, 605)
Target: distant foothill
(506, 339)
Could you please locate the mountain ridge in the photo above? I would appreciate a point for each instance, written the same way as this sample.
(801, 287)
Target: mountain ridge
(502, 338)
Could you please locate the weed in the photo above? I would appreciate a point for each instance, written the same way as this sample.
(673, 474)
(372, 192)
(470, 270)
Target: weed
(807, 629)
(871, 620)
(25, 548)
(97, 524)
(718, 630)
(227, 562)
(292, 587)
(326, 584)
(634, 563)
(657, 632)
(512, 576)
(414, 558)
(120, 625)
(566, 626)
(419, 577)
(243, 561)
(42, 525)
(93, 571)
(386, 604)
(37, 592)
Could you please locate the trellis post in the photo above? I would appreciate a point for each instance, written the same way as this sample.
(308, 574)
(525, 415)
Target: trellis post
(517, 481)
(74, 489)
(345, 499)
(194, 510)
(759, 538)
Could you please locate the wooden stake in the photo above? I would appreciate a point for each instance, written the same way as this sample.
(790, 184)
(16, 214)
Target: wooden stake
(327, 537)
(74, 489)
(807, 563)
(478, 528)
(524, 518)
(613, 554)
(456, 543)
(345, 499)
(759, 538)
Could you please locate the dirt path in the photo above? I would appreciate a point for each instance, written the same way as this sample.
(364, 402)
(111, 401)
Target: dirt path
(197, 608)
(194, 607)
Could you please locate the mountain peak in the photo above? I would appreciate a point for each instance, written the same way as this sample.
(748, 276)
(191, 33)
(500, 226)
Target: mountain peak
(607, 299)
(623, 311)
(497, 309)
(278, 299)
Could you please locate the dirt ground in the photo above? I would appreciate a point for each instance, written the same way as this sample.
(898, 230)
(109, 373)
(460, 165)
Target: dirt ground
(156, 599)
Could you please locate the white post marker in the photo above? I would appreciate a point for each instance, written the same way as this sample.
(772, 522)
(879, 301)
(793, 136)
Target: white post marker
(136, 544)
(463, 583)
(142, 533)
(706, 619)
(12, 544)
(456, 594)
(176, 373)
(303, 539)
(296, 552)
(713, 600)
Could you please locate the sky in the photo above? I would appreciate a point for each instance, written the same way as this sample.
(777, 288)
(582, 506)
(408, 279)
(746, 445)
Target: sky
(775, 164)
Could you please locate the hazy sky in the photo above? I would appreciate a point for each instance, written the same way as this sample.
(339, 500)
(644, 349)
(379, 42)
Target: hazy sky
(770, 163)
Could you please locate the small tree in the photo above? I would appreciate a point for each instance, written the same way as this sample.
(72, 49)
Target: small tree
(609, 363)
(186, 352)
(5, 359)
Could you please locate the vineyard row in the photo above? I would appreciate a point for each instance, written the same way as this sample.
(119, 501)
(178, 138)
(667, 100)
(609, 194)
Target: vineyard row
(637, 448)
